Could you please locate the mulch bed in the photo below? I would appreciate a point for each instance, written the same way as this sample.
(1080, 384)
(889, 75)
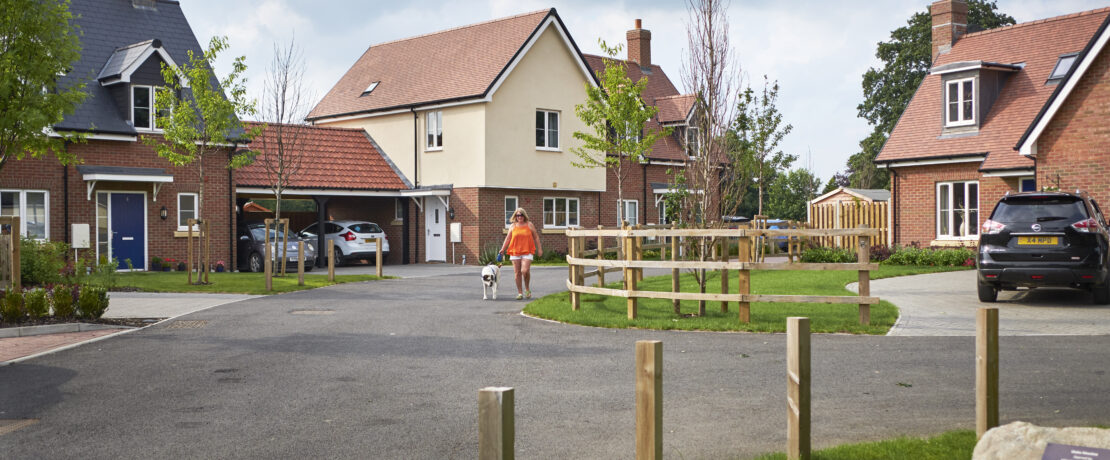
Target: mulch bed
(130, 322)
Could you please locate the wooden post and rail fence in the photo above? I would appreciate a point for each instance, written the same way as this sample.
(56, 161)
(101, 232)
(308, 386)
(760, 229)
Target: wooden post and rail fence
(717, 241)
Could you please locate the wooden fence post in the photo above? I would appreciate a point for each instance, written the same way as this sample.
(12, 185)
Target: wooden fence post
(268, 263)
(724, 273)
(986, 370)
(378, 256)
(496, 425)
(864, 257)
(629, 274)
(743, 278)
(674, 273)
(639, 241)
(300, 263)
(600, 256)
(798, 395)
(649, 399)
(575, 297)
(331, 261)
(284, 224)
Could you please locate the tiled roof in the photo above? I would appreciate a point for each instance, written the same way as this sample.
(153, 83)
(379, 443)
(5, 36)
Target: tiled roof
(331, 158)
(674, 109)
(658, 87)
(1037, 45)
(448, 65)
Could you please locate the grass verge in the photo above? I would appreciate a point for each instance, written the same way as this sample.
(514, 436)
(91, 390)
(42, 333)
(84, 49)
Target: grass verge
(229, 282)
(950, 445)
(612, 312)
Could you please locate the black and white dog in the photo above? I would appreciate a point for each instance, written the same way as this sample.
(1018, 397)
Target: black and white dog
(490, 274)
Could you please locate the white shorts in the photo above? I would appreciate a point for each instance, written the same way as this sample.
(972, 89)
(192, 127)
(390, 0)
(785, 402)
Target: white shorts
(523, 257)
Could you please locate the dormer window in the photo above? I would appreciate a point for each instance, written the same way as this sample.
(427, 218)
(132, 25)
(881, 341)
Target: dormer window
(142, 107)
(1062, 66)
(959, 102)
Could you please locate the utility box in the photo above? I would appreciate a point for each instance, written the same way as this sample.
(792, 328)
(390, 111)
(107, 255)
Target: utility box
(456, 232)
(80, 236)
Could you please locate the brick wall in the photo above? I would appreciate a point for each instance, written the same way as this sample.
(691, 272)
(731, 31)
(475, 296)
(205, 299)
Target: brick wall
(915, 198)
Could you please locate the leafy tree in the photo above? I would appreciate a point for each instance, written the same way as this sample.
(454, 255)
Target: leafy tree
(789, 194)
(37, 44)
(616, 114)
(836, 181)
(887, 91)
(759, 128)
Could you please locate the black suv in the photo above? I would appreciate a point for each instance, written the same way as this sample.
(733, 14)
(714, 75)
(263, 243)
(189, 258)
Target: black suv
(1037, 239)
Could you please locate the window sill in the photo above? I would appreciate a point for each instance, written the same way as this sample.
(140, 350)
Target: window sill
(955, 242)
(397, 222)
(548, 149)
(433, 149)
(184, 233)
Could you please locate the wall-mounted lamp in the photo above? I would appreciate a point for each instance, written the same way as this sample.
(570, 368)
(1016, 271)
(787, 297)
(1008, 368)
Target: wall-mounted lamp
(163, 213)
(451, 213)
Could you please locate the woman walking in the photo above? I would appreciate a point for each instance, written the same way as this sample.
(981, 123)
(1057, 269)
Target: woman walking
(520, 244)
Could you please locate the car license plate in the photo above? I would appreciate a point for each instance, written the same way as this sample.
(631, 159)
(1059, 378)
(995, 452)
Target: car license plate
(1037, 240)
(369, 240)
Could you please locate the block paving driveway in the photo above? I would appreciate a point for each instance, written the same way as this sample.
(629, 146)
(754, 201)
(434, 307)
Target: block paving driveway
(391, 369)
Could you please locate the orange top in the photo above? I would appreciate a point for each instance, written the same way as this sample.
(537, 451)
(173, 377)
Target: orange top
(521, 240)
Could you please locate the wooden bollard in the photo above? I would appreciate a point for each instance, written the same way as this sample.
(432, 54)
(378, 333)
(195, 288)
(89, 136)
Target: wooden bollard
(268, 267)
(496, 425)
(986, 370)
(649, 399)
(572, 274)
(629, 275)
(797, 388)
(743, 279)
(300, 263)
(378, 256)
(864, 279)
(331, 261)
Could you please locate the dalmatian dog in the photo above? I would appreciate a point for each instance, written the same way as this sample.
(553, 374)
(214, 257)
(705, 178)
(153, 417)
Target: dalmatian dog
(490, 275)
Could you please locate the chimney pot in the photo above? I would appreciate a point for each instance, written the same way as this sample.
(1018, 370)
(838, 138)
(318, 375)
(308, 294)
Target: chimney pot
(638, 26)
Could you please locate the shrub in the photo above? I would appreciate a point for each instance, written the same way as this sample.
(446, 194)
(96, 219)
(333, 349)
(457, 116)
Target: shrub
(11, 308)
(36, 303)
(935, 257)
(553, 256)
(651, 254)
(103, 274)
(828, 255)
(181, 267)
(880, 253)
(41, 262)
(62, 297)
(488, 254)
(92, 302)
(156, 264)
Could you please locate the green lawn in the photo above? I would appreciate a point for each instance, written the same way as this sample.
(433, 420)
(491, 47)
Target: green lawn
(951, 445)
(612, 312)
(230, 282)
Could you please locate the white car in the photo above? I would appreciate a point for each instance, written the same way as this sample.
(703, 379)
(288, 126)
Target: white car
(354, 239)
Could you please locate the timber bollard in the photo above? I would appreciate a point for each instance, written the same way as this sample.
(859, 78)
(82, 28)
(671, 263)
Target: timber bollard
(864, 257)
(300, 263)
(797, 388)
(649, 400)
(331, 261)
(496, 427)
(378, 256)
(986, 370)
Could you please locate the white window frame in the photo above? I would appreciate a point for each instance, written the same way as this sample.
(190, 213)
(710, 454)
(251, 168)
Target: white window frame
(181, 224)
(567, 200)
(23, 211)
(691, 142)
(547, 130)
(509, 210)
(623, 216)
(152, 109)
(948, 211)
(963, 98)
(433, 130)
(398, 209)
(661, 208)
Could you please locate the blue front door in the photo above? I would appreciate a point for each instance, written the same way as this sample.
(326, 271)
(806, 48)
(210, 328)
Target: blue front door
(128, 226)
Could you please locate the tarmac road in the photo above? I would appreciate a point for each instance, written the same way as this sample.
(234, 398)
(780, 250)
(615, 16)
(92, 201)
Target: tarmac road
(391, 369)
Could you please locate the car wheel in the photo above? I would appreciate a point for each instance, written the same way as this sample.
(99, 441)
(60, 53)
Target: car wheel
(987, 293)
(1101, 294)
(339, 257)
(254, 263)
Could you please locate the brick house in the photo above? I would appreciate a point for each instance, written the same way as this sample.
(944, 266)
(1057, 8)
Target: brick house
(1011, 109)
(132, 202)
(480, 119)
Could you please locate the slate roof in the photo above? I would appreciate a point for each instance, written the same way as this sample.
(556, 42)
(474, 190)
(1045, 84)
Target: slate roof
(1037, 45)
(125, 57)
(107, 25)
(659, 88)
(453, 64)
(332, 158)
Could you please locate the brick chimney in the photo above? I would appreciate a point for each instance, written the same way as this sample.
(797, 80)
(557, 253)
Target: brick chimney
(949, 24)
(639, 45)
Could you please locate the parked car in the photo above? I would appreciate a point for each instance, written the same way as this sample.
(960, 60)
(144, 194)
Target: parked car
(1036, 239)
(251, 247)
(354, 239)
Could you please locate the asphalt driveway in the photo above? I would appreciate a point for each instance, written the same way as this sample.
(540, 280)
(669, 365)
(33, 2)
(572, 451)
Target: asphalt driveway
(391, 369)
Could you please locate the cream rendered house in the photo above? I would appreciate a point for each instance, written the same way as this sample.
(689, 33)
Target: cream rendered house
(480, 119)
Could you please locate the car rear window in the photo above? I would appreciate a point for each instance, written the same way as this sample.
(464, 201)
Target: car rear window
(365, 227)
(1039, 210)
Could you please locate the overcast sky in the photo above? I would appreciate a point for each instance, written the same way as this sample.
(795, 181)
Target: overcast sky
(818, 50)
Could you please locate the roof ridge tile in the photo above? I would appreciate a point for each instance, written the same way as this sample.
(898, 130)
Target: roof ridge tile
(1037, 22)
(462, 27)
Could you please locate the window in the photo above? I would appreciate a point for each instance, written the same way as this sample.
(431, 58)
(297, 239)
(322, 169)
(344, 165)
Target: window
(692, 141)
(1027, 184)
(661, 208)
(547, 130)
(398, 209)
(433, 124)
(959, 98)
(31, 207)
(186, 209)
(511, 203)
(630, 212)
(370, 88)
(957, 209)
(1062, 66)
(560, 212)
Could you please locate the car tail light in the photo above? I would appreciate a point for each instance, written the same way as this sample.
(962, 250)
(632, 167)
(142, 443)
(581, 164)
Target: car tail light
(1088, 225)
(991, 227)
(349, 236)
(1037, 277)
(992, 276)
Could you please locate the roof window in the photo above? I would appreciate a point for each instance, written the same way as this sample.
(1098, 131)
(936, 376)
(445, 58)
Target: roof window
(1063, 66)
(371, 88)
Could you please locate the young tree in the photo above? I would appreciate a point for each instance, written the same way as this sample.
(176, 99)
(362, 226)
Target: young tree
(285, 103)
(887, 91)
(37, 44)
(198, 120)
(788, 196)
(616, 114)
(759, 129)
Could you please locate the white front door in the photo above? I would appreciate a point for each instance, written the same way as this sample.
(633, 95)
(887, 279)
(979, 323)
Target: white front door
(435, 229)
